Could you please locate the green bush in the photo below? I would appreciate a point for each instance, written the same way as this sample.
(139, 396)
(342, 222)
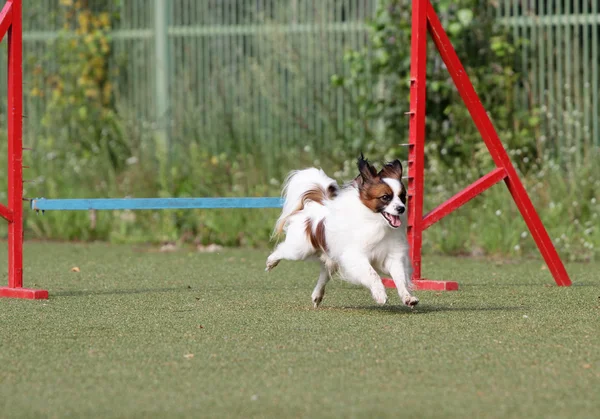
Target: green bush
(381, 75)
(76, 79)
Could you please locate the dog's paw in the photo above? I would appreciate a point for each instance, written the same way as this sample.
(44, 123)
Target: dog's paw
(271, 263)
(317, 297)
(410, 301)
(379, 295)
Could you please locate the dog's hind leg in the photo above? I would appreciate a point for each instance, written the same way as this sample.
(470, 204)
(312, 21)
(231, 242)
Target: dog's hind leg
(293, 248)
(272, 261)
(296, 245)
(319, 291)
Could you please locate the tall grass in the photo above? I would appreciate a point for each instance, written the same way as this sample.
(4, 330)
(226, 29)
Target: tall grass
(565, 197)
(566, 200)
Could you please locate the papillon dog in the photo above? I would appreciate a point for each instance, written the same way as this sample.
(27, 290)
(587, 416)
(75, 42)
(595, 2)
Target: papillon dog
(357, 230)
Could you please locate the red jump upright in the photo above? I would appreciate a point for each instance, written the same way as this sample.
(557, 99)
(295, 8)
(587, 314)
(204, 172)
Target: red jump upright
(10, 22)
(424, 19)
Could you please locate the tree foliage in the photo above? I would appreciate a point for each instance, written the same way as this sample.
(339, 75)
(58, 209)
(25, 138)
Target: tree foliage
(378, 84)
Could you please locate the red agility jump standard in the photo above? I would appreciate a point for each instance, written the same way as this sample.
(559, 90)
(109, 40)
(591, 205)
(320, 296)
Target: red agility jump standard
(10, 23)
(424, 19)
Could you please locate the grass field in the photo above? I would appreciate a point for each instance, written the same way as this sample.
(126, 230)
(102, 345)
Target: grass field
(142, 334)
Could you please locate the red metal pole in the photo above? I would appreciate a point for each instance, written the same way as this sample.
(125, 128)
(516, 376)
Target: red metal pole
(5, 19)
(15, 149)
(15, 162)
(416, 136)
(416, 150)
(464, 196)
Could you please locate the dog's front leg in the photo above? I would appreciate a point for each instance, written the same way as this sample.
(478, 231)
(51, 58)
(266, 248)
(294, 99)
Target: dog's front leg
(319, 291)
(397, 268)
(357, 269)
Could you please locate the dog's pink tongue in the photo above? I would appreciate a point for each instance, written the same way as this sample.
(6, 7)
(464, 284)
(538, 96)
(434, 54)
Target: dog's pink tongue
(396, 221)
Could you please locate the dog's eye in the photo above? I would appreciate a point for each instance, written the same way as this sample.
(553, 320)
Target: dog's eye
(386, 198)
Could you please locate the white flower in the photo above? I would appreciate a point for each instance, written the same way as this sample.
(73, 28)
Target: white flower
(523, 234)
(498, 212)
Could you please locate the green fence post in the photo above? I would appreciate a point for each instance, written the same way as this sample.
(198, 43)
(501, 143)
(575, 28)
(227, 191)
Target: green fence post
(161, 66)
(595, 74)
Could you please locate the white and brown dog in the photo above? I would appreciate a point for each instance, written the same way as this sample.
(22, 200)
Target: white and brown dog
(356, 230)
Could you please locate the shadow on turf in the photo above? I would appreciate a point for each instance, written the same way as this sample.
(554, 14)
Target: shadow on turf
(424, 309)
(86, 293)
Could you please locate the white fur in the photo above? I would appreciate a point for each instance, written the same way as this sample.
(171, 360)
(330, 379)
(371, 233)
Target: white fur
(359, 242)
(396, 203)
(298, 182)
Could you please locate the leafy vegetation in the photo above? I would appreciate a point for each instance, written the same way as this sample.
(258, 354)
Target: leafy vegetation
(81, 103)
(381, 76)
(93, 146)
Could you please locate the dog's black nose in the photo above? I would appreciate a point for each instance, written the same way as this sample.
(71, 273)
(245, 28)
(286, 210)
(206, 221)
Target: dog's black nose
(401, 210)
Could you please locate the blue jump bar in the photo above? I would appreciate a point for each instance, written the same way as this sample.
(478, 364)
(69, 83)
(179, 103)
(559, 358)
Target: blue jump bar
(152, 203)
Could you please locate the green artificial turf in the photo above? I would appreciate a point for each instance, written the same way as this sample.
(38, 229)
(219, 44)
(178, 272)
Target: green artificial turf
(142, 334)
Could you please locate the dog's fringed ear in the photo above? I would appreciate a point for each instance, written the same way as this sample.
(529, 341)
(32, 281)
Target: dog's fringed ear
(358, 181)
(367, 172)
(392, 170)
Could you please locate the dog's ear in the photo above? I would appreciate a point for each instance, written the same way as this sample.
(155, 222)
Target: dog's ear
(367, 172)
(358, 181)
(392, 170)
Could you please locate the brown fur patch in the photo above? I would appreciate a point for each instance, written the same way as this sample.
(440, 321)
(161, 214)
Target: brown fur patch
(371, 192)
(315, 194)
(367, 172)
(317, 237)
(392, 170)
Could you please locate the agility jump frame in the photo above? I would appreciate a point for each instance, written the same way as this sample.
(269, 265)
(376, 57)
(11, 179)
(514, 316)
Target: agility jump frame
(424, 20)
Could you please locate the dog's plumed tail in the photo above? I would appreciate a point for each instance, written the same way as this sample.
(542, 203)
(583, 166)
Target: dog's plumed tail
(302, 186)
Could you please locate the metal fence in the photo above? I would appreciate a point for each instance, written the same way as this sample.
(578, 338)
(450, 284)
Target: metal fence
(258, 70)
(561, 59)
(234, 74)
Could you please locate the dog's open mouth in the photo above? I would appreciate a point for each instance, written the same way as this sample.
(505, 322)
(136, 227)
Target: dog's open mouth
(393, 220)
